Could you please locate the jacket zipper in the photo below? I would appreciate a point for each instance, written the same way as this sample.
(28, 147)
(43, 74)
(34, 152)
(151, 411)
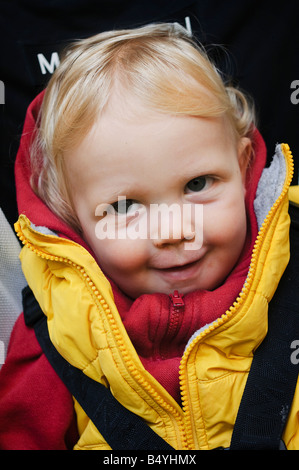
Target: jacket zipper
(177, 307)
(177, 301)
(240, 299)
(176, 313)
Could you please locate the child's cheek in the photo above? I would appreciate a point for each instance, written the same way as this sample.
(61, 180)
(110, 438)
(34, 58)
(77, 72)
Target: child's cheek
(224, 225)
(124, 255)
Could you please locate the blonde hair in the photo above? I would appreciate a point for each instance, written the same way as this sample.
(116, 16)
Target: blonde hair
(159, 63)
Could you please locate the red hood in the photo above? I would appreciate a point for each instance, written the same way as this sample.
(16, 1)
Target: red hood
(158, 331)
(28, 202)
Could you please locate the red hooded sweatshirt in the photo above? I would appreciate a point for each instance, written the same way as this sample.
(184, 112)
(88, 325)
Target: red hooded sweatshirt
(36, 409)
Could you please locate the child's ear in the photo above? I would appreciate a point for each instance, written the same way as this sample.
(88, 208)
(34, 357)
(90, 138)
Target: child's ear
(244, 156)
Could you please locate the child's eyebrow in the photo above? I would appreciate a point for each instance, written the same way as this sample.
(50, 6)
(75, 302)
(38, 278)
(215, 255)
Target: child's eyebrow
(125, 191)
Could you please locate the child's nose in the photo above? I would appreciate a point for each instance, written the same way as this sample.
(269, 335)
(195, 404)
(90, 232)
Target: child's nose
(172, 227)
(160, 242)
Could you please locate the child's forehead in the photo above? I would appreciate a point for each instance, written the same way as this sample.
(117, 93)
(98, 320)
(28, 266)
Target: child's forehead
(126, 112)
(148, 144)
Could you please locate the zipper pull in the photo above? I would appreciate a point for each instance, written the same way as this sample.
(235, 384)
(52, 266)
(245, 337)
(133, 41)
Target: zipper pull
(177, 299)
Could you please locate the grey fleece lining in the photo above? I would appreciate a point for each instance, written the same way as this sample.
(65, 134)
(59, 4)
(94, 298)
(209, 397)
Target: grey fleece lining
(270, 186)
(268, 190)
(43, 230)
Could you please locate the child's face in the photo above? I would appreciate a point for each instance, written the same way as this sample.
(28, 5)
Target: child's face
(150, 158)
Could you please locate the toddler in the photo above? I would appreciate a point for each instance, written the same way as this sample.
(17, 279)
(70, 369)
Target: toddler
(168, 318)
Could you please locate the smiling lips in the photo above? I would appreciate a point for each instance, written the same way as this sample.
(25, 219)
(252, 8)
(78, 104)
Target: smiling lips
(180, 272)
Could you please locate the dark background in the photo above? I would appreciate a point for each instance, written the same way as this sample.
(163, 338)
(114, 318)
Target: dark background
(259, 50)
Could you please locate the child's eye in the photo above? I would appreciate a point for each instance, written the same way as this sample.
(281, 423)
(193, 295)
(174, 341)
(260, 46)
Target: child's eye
(198, 184)
(124, 206)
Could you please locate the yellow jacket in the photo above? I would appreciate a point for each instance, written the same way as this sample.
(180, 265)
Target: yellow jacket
(86, 328)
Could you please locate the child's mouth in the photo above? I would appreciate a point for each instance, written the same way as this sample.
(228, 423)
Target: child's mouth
(181, 272)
